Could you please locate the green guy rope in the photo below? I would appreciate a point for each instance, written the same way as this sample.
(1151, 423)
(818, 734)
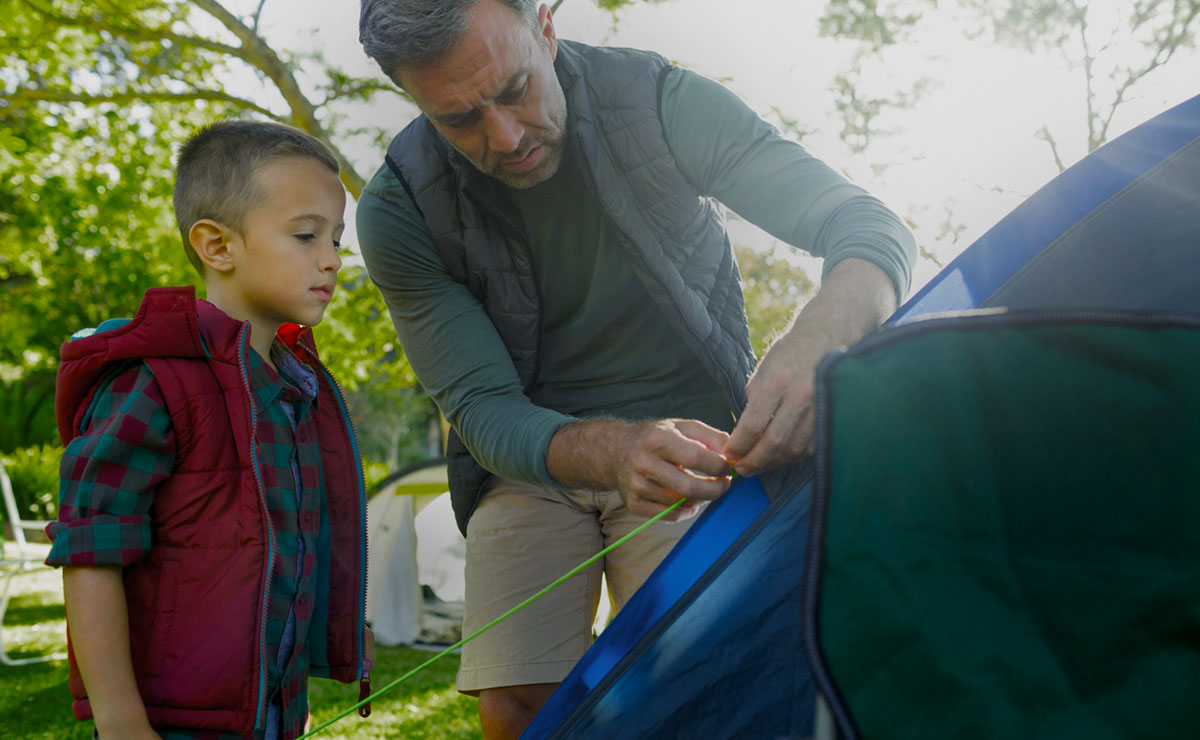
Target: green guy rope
(573, 572)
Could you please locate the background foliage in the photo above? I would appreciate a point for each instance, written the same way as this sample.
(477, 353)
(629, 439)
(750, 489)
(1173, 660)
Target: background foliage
(95, 94)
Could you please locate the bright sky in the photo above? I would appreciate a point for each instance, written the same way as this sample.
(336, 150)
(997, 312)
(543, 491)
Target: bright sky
(969, 145)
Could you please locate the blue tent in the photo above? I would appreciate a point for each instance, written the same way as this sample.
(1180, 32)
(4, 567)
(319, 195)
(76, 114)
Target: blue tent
(711, 646)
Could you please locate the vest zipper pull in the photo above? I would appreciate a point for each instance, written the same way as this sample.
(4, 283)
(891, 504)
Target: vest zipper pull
(364, 690)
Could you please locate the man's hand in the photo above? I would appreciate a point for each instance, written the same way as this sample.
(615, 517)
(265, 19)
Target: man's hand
(778, 423)
(652, 464)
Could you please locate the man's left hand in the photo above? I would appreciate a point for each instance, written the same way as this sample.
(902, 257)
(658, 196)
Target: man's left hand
(778, 423)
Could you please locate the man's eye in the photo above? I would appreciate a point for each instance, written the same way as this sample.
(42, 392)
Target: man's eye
(513, 96)
(306, 237)
(461, 121)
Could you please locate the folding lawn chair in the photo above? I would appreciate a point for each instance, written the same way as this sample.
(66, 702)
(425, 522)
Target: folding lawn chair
(25, 559)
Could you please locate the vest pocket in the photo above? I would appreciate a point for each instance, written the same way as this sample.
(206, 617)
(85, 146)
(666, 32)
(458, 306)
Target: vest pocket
(158, 650)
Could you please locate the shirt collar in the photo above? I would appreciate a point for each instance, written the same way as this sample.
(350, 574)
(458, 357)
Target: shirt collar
(290, 378)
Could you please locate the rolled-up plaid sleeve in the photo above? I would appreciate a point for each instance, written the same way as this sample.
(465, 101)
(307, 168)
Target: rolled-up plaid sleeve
(109, 474)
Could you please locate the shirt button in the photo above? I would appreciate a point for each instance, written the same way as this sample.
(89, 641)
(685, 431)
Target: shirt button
(290, 395)
(308, 519)
(304, 435)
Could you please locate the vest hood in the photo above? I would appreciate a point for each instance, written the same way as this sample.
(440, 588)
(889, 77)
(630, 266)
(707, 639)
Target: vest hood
(169, 323)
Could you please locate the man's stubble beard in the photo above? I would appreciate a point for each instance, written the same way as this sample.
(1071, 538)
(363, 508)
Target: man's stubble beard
(551, 160)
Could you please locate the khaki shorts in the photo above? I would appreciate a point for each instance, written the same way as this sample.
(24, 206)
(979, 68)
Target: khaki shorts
(522, 538)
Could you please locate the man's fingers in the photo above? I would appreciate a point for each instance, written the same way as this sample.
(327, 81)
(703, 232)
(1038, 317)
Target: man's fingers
(647, 508)
(693, 446)
(787, 438)
(713, 439)
(677, 481)
(749, 428)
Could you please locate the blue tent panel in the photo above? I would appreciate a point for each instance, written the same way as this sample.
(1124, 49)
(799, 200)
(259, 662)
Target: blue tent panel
(723, 613)
(1105, 233)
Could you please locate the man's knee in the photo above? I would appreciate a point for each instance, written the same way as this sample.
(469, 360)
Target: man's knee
(505, 711)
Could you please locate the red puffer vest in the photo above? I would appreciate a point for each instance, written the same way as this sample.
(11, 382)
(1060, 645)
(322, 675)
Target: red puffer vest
(197, 602)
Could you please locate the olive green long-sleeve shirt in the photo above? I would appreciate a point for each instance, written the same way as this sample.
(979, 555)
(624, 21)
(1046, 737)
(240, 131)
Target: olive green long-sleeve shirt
(606, 349)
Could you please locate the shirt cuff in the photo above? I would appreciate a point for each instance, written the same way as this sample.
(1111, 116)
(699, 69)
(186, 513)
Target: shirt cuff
(100, 540)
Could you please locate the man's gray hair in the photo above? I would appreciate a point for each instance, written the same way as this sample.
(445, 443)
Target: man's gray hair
(400, 34)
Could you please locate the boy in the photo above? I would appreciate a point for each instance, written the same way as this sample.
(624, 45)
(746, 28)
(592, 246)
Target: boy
(212, 513)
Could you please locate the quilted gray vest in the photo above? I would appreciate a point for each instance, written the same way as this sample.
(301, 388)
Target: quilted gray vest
(674, 236)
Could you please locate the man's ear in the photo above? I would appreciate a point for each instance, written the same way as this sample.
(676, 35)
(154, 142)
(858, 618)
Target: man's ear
(546, 29)
(212, 242)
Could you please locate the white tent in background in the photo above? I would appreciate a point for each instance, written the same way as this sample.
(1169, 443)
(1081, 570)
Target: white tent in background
(413, 541)
(413, 500)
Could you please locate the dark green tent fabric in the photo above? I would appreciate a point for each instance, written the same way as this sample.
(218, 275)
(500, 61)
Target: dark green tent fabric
(1010, 546)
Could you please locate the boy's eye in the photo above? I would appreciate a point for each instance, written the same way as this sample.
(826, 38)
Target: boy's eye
(306, 237)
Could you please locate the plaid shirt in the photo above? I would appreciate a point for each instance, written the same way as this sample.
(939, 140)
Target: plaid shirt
(108, 478)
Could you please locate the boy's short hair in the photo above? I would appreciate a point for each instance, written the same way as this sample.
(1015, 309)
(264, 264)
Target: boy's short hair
(214, 172)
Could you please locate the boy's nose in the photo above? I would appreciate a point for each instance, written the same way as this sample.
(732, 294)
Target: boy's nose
(332, 261)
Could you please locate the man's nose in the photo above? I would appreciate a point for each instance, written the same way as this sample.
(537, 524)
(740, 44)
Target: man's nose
(504, 132)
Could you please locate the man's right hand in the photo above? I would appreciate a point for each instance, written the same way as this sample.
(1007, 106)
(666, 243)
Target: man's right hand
(652, 464)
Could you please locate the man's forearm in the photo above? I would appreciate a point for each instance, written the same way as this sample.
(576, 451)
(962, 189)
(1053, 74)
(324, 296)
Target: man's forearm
(584, 454)
(855, 298)
(99, 623)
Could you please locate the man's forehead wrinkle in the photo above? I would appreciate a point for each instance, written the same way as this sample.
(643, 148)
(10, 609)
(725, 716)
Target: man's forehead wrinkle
(478, 71)
(472, 96)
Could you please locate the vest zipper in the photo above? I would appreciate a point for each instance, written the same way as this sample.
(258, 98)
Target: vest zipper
(243, 336)
(364, 675)
(731, 387)
(519, 235)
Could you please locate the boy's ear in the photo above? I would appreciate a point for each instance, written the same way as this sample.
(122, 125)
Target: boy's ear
(211, 241)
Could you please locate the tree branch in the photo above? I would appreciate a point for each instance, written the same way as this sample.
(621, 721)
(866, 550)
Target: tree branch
(1044, 134)
(97, 23)
(258, 14)
(366, 86)
(1089, 61)
(304, 114)
(44, 95)
(1176, 36)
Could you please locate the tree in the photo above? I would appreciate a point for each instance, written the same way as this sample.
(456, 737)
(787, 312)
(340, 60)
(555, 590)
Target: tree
(774, 287)
(91, 97)
(166, 52)
(1113, 45)
(1114, 49)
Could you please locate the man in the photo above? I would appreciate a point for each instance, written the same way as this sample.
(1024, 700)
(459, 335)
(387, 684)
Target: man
(561, 281)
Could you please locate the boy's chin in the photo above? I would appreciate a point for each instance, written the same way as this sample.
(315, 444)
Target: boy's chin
(312, 318)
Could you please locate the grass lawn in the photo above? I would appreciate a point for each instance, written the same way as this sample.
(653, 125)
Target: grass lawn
(36, 705)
